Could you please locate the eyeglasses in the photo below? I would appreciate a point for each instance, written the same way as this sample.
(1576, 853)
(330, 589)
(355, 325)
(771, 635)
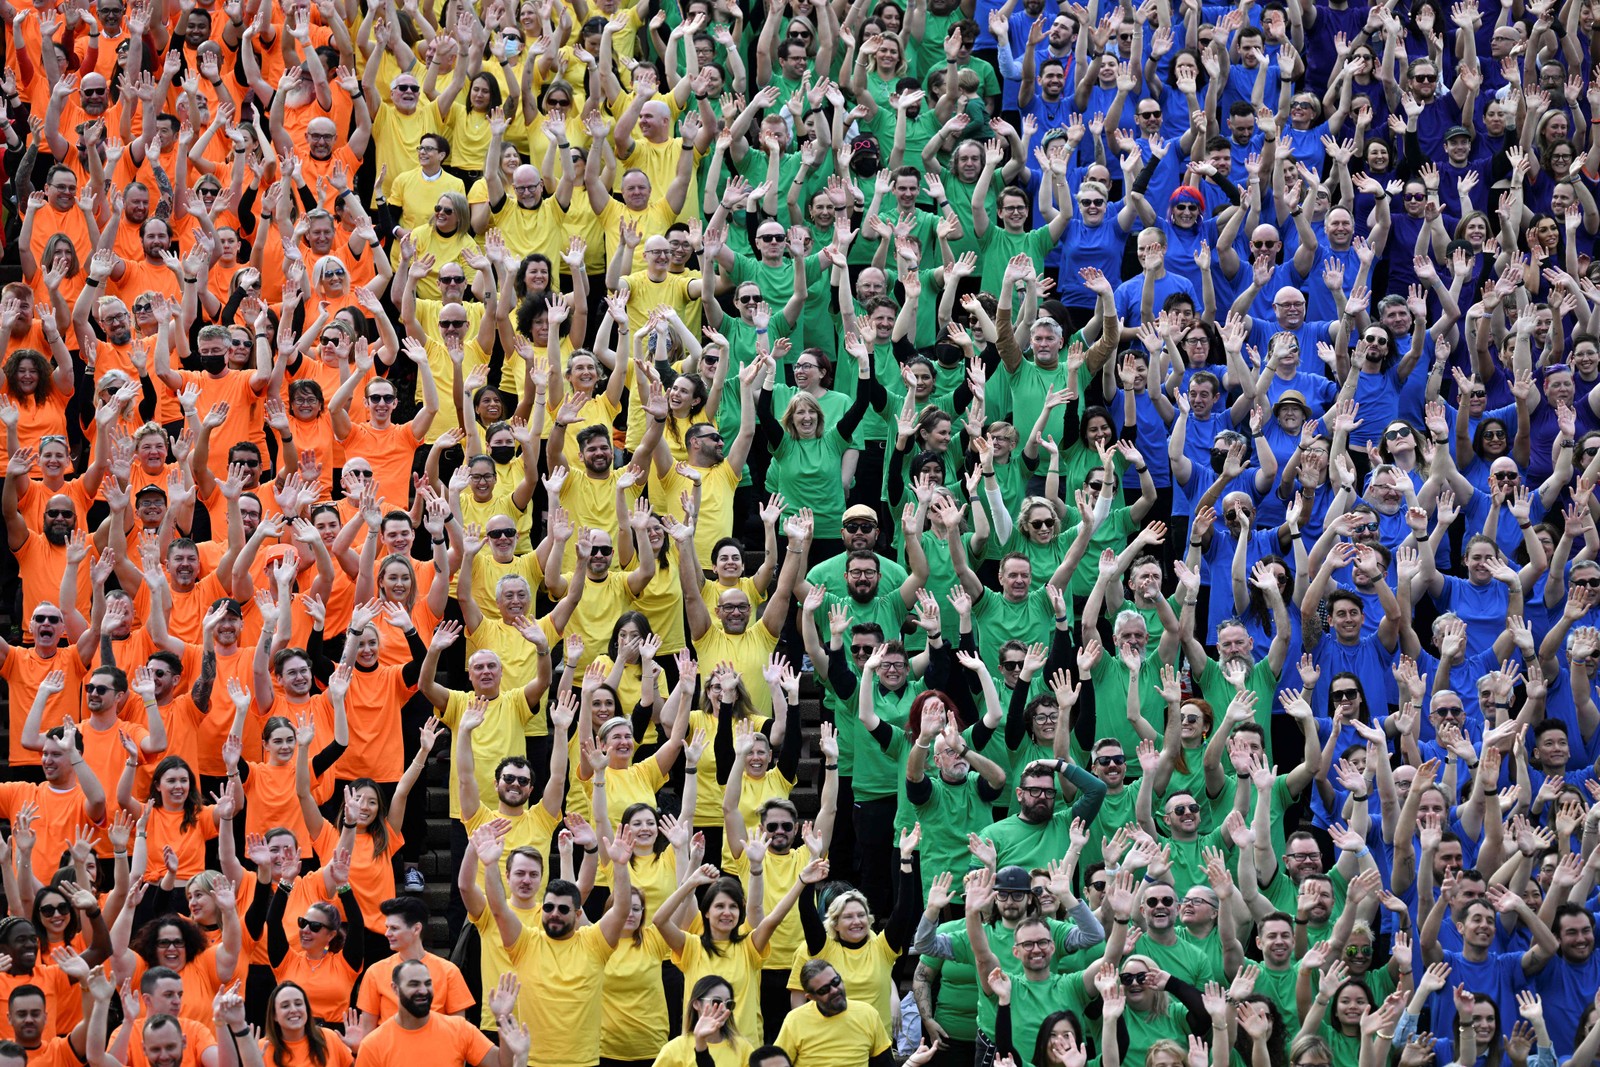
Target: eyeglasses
(444, 209)
(1493, 433)
(1019, 894)
(500, 534)
(50, 911)
(559, 909)
(97, 690)
(1110, 761)
(1038, 792)
(311, 924)
(1185, 207)
(174, 942)
(516, 779)
(1195, 902)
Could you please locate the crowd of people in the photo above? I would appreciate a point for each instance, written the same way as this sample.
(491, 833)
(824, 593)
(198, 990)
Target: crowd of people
(896, 531)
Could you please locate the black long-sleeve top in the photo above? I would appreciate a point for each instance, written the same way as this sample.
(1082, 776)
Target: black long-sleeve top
(868, 391)
(355, 933)
(899, 929)
(788, 755)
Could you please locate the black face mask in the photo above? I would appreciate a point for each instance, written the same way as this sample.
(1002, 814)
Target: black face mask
(211, 364)
(865, 162)
(1218, 461)
(502, 453)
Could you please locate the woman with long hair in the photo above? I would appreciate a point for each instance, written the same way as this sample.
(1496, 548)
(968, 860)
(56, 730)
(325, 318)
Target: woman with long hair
(732, 942)
(177, 819)
(37, 389)
(291, 1036)
(727, 709)
(708, 1027)
(177, 943)
(1335, 1014)
(633, 1013)
(327, 955)
(375, 819)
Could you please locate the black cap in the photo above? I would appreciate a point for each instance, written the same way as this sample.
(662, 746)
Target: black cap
(1013, 879)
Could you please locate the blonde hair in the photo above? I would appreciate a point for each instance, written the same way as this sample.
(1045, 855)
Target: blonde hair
(830, 921)
(800, 400)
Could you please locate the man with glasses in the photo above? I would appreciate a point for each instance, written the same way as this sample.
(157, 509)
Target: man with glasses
(1182, 953)
(561, 961)
(1029, 969)
(324, 156)
(1016, 909)
(60, 213)
(416, 189)
(402, 118)
(389, 447)
(104, 694)
(44, 556)
(712, 470)
(828, 1030)
(528, 220)
(587, 495)
(1040, 831)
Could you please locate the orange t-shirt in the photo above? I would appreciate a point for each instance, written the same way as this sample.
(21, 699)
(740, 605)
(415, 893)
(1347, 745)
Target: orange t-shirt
(200, 985)
(316, 435)
(450, 992)
(298, 1053)
(48, 222)
(246, 410)
(196, 1040)
(61, 812)
(440, 1039)
(371, 877)
(42, 564)
(23, 669)
(140, 276)
(219, 720)
(58, 989)
(393, 648)
(187, 616)
(271, 801)
(327, 981)
(390, 452)
(32, 497)
(166, 830)
(372, 708)
(104, 754)
(35, 420)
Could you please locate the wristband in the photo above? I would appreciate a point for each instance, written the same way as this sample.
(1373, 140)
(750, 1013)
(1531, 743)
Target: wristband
(691, 768)
(92, 283)
(240, 1033)
(591, 851)
(1061, 618)
(438, 540)
(830, 766)
(754, 871)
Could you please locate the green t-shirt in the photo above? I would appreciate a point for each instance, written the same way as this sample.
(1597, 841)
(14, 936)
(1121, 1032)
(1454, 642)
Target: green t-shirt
(1111, 680)
(955, 1005)
(1145, 1029)
(997, 620)
(1027, 387)
(806, 472)
(1185, 958)
(997, 246)
(1188, 859)
(1262, 681)
(1032, 1002)
(1285, 897)
(1278, 987)
(1116, 811)
(879, 774)
(948, 816)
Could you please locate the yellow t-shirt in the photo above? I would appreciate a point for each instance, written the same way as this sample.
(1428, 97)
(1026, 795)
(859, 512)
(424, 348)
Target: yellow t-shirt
(468, 132)
(519, 663)
(748, 652)
(848, 1039)
(662, 603)
(679, 1052)
(562, 986)
(507, 723)
(486, 575)
(739, 964)
(598, 410)
(396, 136)
(778, 873)
(541, 229)
(633, 1013)
(717, 485)
(447, 417)
(708, 791)
(444, 250)
(660, 163)
(415, 194)
(535, 827)
(631, 686)
(711, 589)
(591, 502)
(493, 956)
(867, 972)
(651, 222)
(596, 615)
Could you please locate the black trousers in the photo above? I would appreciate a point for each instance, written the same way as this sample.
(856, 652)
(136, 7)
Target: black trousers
(875, 849)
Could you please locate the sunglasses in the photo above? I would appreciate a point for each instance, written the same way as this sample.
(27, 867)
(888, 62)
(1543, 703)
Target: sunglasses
(866, 650)
(49, 620)
(770, 237)
(50, 911)
(827, 987)
(1493, 433)
(1136, 978)
(1098, 887)
(1505, 476)
(311, 924)
(382, 398)
(1396, 434)
(175, 942)
(1586, 583)
(97, 690)
(451, 324)
(779, 827)
(1092, 202)
(1343, 694)
(516, 779)
(1186, 809)
(1110, 761)
(559, 909)
(60, 513)
(600, 550)
(860, 526)
(496, 535)
(1011, 664)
